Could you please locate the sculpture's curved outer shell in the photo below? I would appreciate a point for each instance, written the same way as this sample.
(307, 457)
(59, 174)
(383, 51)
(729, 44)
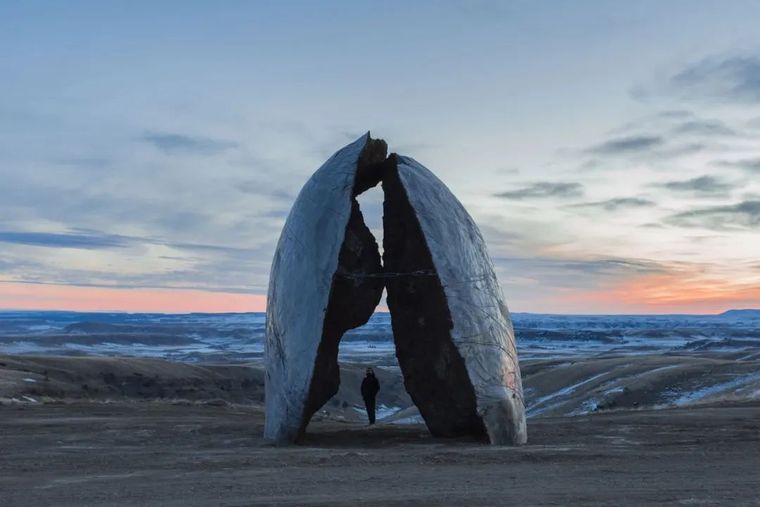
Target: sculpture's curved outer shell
(305, 261)
(482, 331)
(453, 333)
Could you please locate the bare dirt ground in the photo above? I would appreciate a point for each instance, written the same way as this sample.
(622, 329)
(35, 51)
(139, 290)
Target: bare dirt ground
(160, 453)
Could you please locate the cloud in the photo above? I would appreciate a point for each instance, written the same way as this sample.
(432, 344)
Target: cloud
(607, 266)
(669, 123)
(664, 135)
(679, 150)
(749, 164)
(731, 77)
(703, 185)
(226, 250)
(84, 162)
(616, 203)
(206, 267)
(80, 240)
(745, 214)
(703, 127)
(648, 147)
(545, 189)
(559, 272)
(675, 114)
(178, 143)
(264, 189)
(626, 145)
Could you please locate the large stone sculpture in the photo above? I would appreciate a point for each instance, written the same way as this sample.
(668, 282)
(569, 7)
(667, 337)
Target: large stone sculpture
(453, 334)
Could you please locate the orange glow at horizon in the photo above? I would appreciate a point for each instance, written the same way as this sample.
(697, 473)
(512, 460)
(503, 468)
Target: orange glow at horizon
(649, 294)
(27, 296)
(672, 293)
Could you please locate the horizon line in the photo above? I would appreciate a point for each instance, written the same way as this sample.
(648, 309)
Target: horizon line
(38, 297)
(128, 312)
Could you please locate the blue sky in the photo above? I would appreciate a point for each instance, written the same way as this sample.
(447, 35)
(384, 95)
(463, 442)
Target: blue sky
(608, 150)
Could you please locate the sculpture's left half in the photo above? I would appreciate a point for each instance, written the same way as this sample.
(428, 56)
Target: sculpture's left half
(309, 307)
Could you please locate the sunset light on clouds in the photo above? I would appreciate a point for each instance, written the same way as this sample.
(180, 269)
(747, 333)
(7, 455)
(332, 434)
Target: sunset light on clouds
(609, 152)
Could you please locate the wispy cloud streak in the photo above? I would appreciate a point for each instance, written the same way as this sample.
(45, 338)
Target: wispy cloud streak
(169, 142)
(543, 189)
(89, 241)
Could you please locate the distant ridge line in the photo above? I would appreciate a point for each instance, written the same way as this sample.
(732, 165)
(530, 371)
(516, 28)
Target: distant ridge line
(742, 312)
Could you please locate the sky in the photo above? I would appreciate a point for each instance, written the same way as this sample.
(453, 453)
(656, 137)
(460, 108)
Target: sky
(609, 151)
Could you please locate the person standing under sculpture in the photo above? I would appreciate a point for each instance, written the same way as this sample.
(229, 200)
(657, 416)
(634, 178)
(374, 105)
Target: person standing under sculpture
(370, 387)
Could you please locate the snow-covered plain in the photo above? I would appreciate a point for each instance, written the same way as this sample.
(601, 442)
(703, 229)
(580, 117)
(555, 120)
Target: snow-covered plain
(571, 364)
(240, 337)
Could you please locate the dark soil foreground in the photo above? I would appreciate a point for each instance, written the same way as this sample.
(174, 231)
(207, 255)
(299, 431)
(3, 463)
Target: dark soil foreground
(158, 453)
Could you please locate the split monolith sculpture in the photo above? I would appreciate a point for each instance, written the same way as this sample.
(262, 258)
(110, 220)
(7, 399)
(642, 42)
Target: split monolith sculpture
(452, 331)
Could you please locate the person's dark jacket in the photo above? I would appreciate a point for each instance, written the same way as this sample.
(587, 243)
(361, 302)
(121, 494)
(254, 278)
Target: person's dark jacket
(370, 387)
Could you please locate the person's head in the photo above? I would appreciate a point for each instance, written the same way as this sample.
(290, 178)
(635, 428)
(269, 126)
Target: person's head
(370, 371)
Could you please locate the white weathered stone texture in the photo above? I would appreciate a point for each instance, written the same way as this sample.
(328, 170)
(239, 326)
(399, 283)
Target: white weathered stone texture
(304, 263)
(306, 260)
(482, 331)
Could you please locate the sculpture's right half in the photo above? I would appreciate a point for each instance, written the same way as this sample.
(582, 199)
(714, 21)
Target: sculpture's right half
(452, 331)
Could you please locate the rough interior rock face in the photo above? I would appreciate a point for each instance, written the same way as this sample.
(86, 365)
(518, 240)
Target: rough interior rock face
(482, 328)
(353, 299)
(371, 165)
(353, 296)
(434, 372)
(452, 331)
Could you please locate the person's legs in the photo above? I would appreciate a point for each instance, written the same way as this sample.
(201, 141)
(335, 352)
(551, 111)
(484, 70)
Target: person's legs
(370, 404)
